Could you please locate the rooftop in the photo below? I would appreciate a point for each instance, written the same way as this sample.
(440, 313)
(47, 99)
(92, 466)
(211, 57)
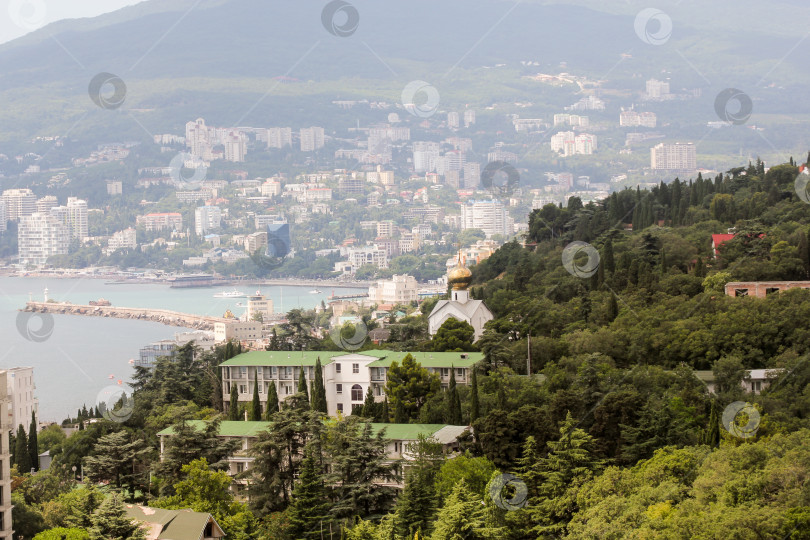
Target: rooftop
(402, 432)
(380, 358)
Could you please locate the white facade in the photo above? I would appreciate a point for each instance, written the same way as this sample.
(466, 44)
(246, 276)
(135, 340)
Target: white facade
(657, 89)
(259, 305)
(77, 218)
(3, 218)
(279, 137)
(39, 237)
(489, 216)
(367, 255)
(238, 330)
(20, 390)
(236, 147)
(678, 156)
(19, 203)
(460, 307)
(207, 219)
(397, 290)
(126, 239)
(312, 139)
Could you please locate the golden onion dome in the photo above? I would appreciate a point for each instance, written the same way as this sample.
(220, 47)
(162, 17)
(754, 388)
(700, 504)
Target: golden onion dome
(460, 277)
(228, 315)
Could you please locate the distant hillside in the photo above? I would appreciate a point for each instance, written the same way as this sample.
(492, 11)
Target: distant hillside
(222, 53)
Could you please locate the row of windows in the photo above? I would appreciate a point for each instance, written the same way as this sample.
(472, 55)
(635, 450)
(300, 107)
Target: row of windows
(289, 371)
(287, 389)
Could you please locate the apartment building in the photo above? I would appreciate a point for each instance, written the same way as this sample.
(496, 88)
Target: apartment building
(237, 330)
(20, 389)
(347, 376)
(258, 306)
(19, 203)
(489, 216)
(279, 137)
(126, 239)
(207, 219)
(312, 139)
(677, 157)
(162, 221)
(3, 217)
(41, 236)
(358, 257)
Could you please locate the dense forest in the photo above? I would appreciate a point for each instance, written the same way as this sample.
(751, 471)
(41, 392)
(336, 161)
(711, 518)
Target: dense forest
(587, 419)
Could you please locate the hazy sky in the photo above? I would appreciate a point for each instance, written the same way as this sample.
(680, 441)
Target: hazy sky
(18, 17)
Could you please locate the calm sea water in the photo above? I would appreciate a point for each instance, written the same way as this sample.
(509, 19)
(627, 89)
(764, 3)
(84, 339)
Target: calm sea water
(73, 364)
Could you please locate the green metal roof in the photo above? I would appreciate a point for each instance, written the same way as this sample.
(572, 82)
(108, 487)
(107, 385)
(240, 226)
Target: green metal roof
(282, 358)
(406, 432)
(431, 359)
(228, 428)
(236, 428)
(174, 524)
(384, 358)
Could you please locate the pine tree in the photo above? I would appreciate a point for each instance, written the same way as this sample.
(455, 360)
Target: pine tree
(33, 450)
(453, 402)
(302, 383)
(233, 410)
(463, 516)
(272, 401)
(318, 389)
(21, 451)
(416, 506)
(111, 522)
(474, 406)
(308, 510)
(256, 405)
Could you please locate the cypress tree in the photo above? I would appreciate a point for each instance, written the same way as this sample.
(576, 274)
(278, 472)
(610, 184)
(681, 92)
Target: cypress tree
(33, 444)
(272, 401)
(233, 410)
(21, 451)
(501, 397)
(453, 403)
(700, 268)
(256, 405)
(318, 389)
(711, 436)
(474, 406)
(613, 308)
(386, 414)
(607, 257)
(369, 406)
(302, 383)
(399, 413)
(663, 262)
(81, 425)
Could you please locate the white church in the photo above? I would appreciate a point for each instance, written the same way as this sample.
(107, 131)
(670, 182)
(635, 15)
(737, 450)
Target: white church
(460, 306)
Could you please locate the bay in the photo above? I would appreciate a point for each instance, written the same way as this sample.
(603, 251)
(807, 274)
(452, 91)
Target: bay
(75, 358)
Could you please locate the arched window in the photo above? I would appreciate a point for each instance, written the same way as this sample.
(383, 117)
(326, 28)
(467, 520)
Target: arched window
(357, 393)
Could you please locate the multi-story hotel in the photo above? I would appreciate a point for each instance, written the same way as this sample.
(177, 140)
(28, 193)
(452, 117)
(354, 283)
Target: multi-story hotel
(40, 236)
(347, 376)
(312, 139)
(397, 290)
(489, 216)
(207, 219)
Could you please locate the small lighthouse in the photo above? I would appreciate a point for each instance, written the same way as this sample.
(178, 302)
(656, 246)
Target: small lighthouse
(45, 294)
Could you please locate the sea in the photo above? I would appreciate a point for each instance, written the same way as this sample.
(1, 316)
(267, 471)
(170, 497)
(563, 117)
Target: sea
(77, 359)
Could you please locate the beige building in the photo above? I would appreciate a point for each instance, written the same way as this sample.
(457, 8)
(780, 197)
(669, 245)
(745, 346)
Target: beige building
(258, 304)
(237, 330)
(674, 157)
(255, 241)
(5, 459)
(20, 392)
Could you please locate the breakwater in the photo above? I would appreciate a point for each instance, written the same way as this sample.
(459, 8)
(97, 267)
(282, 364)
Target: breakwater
(162, 316)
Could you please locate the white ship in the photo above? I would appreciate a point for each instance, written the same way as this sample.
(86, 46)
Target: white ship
(230, 294)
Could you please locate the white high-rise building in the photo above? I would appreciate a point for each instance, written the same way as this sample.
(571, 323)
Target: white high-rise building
(312, 139)
(678, 156)
(3, 218)
(425, 155)
(199, 139)
(207, 219)
(657, 89)
(453, 120)
(469, 118)
(585, 143)
(77, 218)
(235, 147)
(489, 216)
(20, 388)
(472, 175)
(564, 143)
(45, 204)
(19, 203)
(279, 137)
(41, 236)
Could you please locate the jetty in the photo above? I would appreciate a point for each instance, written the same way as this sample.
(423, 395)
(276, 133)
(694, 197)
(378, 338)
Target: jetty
(162, 316)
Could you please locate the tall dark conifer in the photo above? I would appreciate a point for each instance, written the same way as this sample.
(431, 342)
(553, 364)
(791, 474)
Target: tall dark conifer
(33, 443)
